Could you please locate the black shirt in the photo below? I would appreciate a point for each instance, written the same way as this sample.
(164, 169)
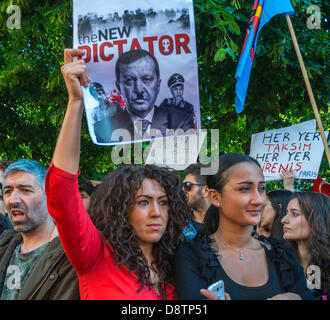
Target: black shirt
(197, 267)
(240, 292)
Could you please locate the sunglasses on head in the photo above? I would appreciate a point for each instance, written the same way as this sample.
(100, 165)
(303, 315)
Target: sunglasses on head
(187, 186)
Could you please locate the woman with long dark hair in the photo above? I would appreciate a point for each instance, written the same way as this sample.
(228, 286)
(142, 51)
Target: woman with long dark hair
(276, 203)
(307, 226)
(125, 248)
(251, 268)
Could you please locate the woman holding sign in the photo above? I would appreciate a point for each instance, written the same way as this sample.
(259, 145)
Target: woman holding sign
(250, 268)
(307, 226)
(138, 214)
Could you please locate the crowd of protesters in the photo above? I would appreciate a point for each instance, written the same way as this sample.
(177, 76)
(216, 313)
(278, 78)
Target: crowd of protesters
(127, 237)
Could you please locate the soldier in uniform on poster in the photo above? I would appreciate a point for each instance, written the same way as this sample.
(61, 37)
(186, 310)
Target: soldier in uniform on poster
(176, 86)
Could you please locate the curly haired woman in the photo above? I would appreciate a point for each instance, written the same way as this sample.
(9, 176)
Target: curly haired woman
(307, 226)
(138, 214)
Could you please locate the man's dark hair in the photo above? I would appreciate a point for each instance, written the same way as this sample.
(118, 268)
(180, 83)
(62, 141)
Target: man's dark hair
(132, 56)
(195, 170)
(86, 186)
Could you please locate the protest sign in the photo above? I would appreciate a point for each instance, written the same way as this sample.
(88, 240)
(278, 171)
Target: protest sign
(176, 152)
(141, 58)
(298, 147)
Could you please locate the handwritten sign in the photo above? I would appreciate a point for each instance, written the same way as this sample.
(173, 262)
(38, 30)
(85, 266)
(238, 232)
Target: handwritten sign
(298, 147)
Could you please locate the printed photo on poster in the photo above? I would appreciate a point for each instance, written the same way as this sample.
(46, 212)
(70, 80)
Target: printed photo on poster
(142, 60)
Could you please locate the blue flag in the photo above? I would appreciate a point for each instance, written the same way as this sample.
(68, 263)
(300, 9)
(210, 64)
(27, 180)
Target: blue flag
(262, 12)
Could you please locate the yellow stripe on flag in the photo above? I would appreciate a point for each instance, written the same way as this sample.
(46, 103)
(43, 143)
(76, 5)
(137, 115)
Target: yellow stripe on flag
(259, 10)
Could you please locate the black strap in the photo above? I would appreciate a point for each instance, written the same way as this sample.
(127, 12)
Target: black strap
(164, 291)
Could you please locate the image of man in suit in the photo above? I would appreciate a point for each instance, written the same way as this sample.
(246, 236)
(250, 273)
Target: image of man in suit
(138, 80)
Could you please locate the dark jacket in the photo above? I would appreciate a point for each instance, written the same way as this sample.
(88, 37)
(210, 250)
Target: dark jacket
(4, 224)
(52, 277)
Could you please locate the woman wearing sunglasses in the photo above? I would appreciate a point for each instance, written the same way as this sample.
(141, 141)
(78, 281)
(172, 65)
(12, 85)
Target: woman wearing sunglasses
(251, 269)
(138, 214)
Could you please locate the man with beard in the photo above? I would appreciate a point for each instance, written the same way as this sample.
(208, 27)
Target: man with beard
(194, 184)
(33, 264)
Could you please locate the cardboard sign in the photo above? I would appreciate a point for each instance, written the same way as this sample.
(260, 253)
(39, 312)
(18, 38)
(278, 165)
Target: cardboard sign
(176, 152)
(141, 57)
(298, 147)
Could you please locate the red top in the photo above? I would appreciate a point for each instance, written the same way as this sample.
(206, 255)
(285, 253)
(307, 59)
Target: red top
(88, 251)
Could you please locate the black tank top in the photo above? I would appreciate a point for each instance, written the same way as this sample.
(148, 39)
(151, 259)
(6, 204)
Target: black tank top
(240, 292)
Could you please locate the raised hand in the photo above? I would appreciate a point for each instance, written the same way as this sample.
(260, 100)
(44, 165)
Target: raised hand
(75, 73)
(288, 177)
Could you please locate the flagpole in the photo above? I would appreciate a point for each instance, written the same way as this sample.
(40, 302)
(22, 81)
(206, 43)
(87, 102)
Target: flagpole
(309, 88)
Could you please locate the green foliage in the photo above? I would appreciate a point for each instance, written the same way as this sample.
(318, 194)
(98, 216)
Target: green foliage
(33, 96)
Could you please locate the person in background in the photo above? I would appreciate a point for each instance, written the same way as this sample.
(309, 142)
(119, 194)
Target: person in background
(125, 249)
(86, 189)
(251, 269)
(194, 184)
(33, 265)
(5, 223)
(277, 200)
(307, 226)
(276, 203)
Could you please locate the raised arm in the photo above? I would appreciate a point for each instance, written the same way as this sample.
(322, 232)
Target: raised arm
(80, 238)
(67, 150)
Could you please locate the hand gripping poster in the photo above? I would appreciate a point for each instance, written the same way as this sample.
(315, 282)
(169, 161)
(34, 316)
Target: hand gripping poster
(141, 58)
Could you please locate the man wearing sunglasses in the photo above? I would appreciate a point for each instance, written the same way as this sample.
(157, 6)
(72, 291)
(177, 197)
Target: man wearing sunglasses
(194, 184)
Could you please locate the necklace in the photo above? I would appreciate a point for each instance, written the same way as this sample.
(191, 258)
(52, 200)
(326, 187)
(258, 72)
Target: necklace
(241, 251)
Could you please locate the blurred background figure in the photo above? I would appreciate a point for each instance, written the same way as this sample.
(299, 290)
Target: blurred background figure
(86, 189)
(5, 222)
(276, 203)
(194, 184)
(277, 200)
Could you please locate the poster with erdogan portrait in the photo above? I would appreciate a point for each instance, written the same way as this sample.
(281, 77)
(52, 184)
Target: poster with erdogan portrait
(141, 57)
